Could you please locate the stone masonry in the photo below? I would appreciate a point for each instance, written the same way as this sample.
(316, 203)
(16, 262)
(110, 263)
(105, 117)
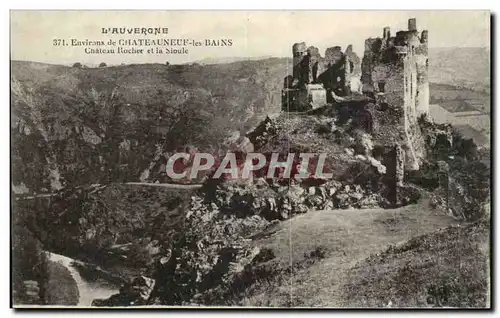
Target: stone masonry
(315, 78)
(394, 74)
(391, 82)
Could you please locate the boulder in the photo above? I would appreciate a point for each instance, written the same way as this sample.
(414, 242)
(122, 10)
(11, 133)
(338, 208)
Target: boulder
(322, 192)
(328, 205)
(311, 191)
(133, 293)
(315, 201)
(263, 133)
(377, 164)
(349, 151)
(331, 187)
(292, 202)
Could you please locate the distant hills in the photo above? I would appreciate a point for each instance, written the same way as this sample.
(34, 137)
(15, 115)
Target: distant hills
(230, 59)
(465, 67)
(92, 125)
(72, 126)
(457, 66)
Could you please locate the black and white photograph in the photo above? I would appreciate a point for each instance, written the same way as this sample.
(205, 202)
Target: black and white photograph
(250, 159)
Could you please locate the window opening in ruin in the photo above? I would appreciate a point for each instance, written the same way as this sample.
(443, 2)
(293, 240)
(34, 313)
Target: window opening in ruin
(368, 122)
(381, 86)
(315, 72)
(406, 84)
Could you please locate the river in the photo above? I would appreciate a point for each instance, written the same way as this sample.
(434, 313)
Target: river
(89, 289)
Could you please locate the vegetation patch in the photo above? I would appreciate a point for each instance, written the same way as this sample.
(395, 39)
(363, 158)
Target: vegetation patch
(447, 268)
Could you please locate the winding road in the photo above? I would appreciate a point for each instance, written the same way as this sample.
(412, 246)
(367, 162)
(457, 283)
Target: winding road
(176, 186)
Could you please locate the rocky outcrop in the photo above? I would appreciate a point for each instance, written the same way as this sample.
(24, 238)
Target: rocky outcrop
(263, 133)
(214, 244)
(283, 201)
(134, 293)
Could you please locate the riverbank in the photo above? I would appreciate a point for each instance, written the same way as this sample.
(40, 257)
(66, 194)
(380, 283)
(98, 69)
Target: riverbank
(67, 287)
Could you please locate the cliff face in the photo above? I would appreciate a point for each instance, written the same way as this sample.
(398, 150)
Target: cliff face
(74, 126)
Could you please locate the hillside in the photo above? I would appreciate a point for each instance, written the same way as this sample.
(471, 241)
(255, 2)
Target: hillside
(94, 223)
(82, 126)
(447, 268)
(425, 271)
(461, 66)
(414, 256)
(80, 135)
(229, 59)
(325, 245)
(96, 125)
(460, 90)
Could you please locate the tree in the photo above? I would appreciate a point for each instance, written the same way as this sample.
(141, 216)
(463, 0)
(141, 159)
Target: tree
(77, 65)
(103, 64)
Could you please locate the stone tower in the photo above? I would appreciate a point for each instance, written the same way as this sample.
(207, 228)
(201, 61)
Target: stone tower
(395, 72)
(422, 75)
(299, 52)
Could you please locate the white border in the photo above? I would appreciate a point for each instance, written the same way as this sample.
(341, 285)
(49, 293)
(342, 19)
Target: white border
(193, 5)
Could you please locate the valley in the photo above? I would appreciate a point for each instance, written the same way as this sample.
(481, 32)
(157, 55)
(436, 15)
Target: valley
(89, 150)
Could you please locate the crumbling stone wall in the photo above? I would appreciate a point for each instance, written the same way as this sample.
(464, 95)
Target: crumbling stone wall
(392, 76)
(315, 77)
(372, 47)
(394, 73)
(422, 62)
(406, 49)
(394, 161)
(299, 52)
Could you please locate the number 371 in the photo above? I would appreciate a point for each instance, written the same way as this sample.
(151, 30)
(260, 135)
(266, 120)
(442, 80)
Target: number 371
(58, 42)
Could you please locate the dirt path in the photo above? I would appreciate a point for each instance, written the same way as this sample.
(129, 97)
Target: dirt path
(167, 185)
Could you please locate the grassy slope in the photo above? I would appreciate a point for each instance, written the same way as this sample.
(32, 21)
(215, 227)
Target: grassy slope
(452, 261)
(62, 289)
(346, 237)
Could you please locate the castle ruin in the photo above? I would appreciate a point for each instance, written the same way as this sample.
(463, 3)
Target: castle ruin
(389, 89)
(317, 79)
(396, 68)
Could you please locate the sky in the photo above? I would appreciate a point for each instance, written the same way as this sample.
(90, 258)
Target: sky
(253, 33)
